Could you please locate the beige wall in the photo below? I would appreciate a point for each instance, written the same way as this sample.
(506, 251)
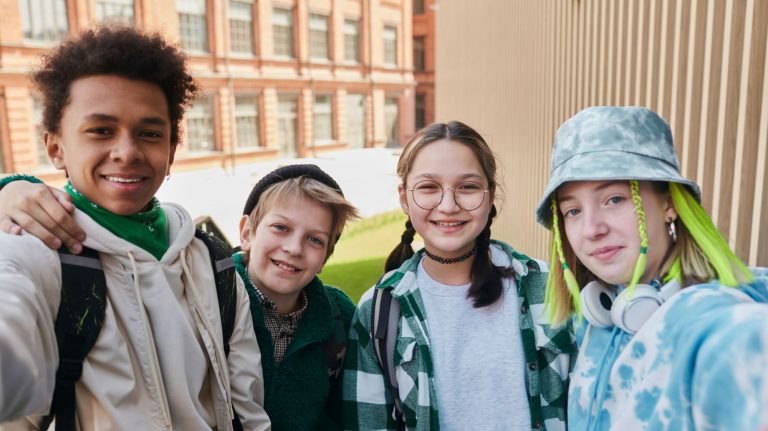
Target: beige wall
(516, 69)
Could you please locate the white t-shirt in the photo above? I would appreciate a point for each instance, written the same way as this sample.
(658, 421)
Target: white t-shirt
(479, 364)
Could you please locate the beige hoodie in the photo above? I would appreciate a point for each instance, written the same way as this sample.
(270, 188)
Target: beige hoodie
(158, 363)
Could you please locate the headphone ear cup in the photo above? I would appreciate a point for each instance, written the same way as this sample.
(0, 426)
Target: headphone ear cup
(596, 304)
(630, 313)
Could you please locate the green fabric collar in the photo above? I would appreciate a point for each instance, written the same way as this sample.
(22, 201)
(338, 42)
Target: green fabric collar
(148, 229)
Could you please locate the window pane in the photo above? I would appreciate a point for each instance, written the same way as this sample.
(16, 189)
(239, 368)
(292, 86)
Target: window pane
(192, 26)
(352, 40)
(318, 36)
(356, 120)
(241, 26)
(323, 116)
(201, 130)
(391, 123)
(282, 32)
(115, 10)
(287, 126)
(418, 7)
(37, 114)
(420, 111)
(43, 20)
(247, 121)
(418, 53)
(390, 45)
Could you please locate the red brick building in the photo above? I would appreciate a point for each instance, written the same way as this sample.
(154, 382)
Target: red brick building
(280, 78)
(424, 60)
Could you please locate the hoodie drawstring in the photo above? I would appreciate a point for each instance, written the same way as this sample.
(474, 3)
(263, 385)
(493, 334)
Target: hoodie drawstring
(150, 337)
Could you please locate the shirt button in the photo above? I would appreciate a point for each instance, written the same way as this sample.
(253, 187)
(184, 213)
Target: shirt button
(524, 309)
(537, 425)
(532, 366)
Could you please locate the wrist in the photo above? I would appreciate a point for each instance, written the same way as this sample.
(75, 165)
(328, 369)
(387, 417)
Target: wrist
(19, 177)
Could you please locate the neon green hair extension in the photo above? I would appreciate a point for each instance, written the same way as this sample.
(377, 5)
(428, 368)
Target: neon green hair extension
(642, 226)
(729, 268)
(675, 272)
(570, 279)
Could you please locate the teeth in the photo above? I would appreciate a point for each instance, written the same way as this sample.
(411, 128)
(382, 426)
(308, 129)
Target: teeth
(452, 224)
(285, 266)
(123, 180)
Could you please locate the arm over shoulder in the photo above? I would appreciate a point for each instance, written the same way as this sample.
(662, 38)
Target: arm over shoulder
(30, 289)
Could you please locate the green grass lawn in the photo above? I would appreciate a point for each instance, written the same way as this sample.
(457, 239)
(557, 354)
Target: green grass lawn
(358, 260)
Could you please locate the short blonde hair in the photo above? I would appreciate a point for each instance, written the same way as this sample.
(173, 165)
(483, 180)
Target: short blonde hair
(306, 189)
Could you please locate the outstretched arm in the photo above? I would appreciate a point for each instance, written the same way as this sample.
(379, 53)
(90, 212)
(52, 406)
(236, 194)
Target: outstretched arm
(30, 281)
(42, 211)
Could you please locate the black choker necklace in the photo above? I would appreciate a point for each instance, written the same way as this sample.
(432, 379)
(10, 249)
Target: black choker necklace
(449, 260)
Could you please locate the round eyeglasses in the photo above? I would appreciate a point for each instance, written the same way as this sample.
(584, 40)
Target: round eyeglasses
(428, 195)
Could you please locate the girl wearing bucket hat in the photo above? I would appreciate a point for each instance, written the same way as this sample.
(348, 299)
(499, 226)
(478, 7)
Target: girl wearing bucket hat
(671, 325)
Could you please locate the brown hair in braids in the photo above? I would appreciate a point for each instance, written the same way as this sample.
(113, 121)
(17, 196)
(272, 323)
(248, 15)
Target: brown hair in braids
(486, 287)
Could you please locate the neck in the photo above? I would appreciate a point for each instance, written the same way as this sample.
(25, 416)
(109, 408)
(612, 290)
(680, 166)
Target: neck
(454, 274)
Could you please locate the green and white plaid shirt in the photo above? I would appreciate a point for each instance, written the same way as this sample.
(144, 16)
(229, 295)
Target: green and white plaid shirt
(549, 355)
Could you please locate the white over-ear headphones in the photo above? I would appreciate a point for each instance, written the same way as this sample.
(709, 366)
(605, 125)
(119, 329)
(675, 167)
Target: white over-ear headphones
(603, 308)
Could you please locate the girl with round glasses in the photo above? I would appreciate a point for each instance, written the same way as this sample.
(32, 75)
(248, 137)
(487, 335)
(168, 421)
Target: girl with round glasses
(472, 349)
(673, 331)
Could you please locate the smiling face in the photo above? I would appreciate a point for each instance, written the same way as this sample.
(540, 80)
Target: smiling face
(114, 141)
(447, 230)
(287, 248)
(601, 227)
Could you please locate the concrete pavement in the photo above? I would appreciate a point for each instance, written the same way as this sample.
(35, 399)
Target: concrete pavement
(366, 176)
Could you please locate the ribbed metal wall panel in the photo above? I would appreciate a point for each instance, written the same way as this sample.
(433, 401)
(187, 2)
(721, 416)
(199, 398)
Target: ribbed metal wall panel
(516, 69)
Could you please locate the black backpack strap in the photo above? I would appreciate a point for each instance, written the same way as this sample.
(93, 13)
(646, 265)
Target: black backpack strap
(78, 323)
(385, 314)
(226, 290)
(336, 346)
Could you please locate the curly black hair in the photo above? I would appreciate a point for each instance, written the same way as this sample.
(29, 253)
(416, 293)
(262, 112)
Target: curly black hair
(115, 50)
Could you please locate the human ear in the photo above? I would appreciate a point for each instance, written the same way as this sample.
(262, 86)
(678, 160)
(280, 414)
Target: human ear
(54, 149)
(403, 198)
(670, 213)
(245, 232)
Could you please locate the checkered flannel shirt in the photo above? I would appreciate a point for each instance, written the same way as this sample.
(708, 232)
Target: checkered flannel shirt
(281, 327)
(549, 355)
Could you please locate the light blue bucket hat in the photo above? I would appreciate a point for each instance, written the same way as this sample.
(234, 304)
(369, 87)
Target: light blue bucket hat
(612, 143)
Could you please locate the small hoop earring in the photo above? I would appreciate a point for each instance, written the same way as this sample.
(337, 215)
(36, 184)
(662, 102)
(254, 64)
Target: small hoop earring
(168, 177)
(672, 230)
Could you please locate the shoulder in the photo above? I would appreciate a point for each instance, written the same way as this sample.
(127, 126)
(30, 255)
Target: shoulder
(25, 252)
(342, 300)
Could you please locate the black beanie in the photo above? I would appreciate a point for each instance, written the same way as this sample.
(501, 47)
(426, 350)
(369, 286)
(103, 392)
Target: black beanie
(285, 173)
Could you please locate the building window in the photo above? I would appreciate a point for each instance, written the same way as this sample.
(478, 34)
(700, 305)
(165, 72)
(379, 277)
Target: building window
(390, 45)
(241, 26)
(391, 121)
(323, 118)
(192, 26)
(352, 40)
(37, 114)
(287, 124)
(356, 120)
(282, 32)
(115, 10)
(43, 20)
(418, 54)
(418, 7)
(318, 36)
(201, 126)
(421, 111)
(247, 121)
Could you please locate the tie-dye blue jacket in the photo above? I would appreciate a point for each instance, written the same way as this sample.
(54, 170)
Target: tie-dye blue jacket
(699, 363)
